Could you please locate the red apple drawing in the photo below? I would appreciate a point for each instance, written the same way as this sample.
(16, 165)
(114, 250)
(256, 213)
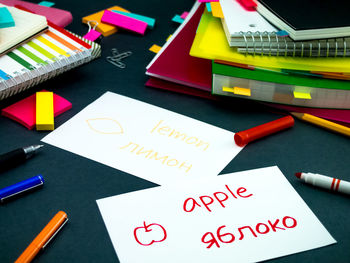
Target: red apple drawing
(146, 235)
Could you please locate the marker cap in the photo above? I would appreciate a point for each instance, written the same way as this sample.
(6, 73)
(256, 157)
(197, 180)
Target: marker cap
(244, 137)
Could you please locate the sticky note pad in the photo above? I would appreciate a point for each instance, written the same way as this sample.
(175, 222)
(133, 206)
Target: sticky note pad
(23, 111)
(150, 21)
(6, 19)
(103, 28)
(44, 111)
(123, 21)
(177, 19)
(46, 3)
(302, 95)
(216, 9)
(155, 48)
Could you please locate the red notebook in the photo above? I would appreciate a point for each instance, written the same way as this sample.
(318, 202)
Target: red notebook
(173, 63)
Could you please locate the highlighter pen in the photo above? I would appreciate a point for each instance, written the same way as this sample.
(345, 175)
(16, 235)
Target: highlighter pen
(326, 182)
(44, 237)
(21, 187)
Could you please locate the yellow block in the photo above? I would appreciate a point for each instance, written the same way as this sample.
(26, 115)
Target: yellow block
(216, 9)
(238, 91)
(44, 111)
(103, 28)
(155, 48)
(302, 95)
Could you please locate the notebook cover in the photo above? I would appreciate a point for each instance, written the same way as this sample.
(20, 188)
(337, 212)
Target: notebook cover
(57, 16)
(310, 14)
(174, 62)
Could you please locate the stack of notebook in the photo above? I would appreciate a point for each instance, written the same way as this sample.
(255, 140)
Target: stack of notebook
(198, 60)
(35, 50)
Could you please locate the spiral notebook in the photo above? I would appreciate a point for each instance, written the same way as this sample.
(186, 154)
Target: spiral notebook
(42, 58)
(252, 34)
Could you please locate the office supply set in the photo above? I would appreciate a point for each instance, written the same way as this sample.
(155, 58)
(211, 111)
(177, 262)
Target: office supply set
(182, 154)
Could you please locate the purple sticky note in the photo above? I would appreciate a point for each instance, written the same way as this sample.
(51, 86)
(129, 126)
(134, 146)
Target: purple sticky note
(125, 22)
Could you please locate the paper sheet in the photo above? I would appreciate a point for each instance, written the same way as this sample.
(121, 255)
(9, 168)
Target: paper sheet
(144, 140)
(240, 217)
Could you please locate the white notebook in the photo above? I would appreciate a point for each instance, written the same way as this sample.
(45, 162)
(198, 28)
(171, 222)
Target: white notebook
(26, 26)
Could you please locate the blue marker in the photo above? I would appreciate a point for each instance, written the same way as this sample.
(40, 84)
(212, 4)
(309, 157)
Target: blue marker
(21, 187)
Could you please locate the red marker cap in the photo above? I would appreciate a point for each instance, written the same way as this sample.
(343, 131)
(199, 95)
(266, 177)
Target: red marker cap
(244, 137)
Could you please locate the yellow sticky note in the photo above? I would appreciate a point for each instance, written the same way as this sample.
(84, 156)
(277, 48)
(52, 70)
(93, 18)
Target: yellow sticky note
(155, 48)
(169, 37)
(216, 9)
(44, 111)
(103, 28)
(227, 89)
(241, 91)
(302, 95)
(237, 91)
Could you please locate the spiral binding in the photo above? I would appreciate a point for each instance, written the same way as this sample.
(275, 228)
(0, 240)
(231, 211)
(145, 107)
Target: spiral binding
(270, 43)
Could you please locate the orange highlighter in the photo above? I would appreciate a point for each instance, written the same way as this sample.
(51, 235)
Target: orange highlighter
(44, 237)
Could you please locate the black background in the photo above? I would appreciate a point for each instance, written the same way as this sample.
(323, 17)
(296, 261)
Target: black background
(73, 183)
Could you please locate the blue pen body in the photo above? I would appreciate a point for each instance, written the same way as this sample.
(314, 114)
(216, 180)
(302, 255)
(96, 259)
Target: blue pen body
(21, 187)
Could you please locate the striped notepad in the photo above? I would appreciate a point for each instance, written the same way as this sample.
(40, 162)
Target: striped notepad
(42, 58)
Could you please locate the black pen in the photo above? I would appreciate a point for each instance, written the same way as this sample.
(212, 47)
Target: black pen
(15, 157)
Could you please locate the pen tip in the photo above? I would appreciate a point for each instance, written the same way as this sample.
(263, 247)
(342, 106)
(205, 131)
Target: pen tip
(298, 175)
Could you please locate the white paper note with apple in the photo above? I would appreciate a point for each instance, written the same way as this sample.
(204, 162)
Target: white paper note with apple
(240, 217)
(144, 140)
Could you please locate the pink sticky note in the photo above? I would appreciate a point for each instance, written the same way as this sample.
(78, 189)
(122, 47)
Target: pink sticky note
(23, 111)
(184, 15)
(92, 35)
(125, 22)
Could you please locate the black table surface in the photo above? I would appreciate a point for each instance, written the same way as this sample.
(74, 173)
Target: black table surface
(73, 183)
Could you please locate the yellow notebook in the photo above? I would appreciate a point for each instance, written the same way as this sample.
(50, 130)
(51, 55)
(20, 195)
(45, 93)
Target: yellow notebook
(211, 43)
(27, 25)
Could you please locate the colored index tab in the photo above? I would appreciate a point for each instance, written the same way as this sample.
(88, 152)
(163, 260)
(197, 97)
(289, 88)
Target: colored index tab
(216, 9)
(44, 111)
(227, 89)
(4, 75)
(184, 15)
(177, 19)
(6, 19)
(208, 7)
(124, 22)
(302, 95)
(150, 21)
(46, 3)
(242, 91)
(155, 48)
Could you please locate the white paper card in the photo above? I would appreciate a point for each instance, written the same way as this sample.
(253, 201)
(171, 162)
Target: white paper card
(144, 140)
(202, 221)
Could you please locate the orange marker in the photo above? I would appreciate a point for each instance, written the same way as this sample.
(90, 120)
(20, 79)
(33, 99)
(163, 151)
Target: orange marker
(244, 137)
(44, 237)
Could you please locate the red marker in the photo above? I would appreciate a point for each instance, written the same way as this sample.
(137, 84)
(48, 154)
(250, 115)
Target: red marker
(326, 182)
(244, 137)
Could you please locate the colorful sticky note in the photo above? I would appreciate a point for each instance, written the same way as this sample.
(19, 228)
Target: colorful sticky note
(155, 48)
(177, 19)
(123, 21)
(216, 9)
(46, 3)
(44, 111)
(302, 95)
(23, 111)
(208, 7)
(227, 89)
(103, 28)
(6, 19)
(237, 91)
(184, 15)
(150, 21)
(169, 37)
